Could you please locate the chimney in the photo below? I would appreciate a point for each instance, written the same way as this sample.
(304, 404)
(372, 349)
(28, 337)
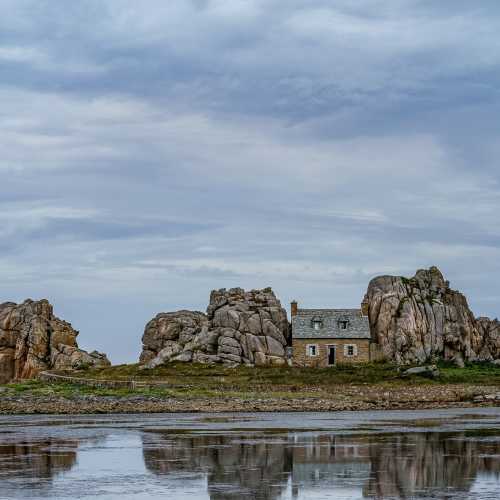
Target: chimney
(293, 308)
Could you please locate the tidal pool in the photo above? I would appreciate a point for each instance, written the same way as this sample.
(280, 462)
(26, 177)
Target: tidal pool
(442, 454)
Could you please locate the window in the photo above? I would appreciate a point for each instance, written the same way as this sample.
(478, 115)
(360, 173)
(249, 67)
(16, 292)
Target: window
(343, 324)
(317, 323)
(350, 350)
(312, 350)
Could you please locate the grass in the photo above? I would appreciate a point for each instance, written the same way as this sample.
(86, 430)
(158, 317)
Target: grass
(473, 373)
(216, 381)
(183, 374)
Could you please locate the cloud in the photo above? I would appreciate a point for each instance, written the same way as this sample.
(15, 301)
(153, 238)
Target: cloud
(151, 153)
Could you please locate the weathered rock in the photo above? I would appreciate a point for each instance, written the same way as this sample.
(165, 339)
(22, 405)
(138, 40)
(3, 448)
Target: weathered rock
(255, 319)
(32, 339)
(238, 324)
(416, 320)
(261, 359)
(233, 358)
(183, 357)
(431, 371)
(200, 357)
(167, 329)
(274, 348)
(486, 344)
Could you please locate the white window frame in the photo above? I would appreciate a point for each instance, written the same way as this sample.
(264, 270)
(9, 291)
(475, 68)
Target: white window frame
(316, 348)
(354, 350)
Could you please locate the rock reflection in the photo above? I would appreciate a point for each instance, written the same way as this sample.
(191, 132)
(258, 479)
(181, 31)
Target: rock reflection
(406, 463)
(27, 462)
(263, 466)
(257, 468)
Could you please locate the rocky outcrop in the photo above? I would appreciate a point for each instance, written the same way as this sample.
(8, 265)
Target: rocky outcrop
(240, 327)
(32, 339)
(487, 343)
(418, 319)
(176, 336)
(251, 327)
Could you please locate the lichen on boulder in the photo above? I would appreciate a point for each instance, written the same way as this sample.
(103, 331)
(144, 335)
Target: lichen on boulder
(240, 327)
(33, 339)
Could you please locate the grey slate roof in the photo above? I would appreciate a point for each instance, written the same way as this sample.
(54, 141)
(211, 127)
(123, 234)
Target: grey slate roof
(358, 326)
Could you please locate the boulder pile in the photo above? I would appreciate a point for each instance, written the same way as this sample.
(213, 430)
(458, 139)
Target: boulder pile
(240, 327)
(420, 319)
(33, 339)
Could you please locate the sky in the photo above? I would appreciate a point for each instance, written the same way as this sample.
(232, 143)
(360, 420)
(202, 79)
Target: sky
(153, 151)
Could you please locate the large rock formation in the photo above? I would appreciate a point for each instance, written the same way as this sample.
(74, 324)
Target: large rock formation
(32, 339)
(240, 327)
(415, 320)
(176, 336)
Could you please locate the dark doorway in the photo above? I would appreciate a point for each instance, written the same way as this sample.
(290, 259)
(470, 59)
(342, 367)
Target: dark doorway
(331, 355)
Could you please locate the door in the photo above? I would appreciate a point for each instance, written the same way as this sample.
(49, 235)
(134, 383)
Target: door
(331, 355)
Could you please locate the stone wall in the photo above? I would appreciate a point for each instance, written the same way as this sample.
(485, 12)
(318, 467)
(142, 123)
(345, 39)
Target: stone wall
(300, 357)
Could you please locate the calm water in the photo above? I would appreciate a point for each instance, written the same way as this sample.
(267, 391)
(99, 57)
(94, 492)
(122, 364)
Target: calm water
(429, 454)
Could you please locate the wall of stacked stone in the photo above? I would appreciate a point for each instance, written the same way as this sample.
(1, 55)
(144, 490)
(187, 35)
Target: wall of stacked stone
(300, 357)
(101, 384)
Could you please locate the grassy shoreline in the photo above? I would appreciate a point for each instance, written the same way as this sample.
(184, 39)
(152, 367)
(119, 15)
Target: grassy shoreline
(187, 387)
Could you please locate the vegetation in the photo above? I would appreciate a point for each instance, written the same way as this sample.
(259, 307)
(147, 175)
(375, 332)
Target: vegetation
(191, 380)
(182, 374)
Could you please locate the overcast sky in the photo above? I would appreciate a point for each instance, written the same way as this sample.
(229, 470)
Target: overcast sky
(152, 151)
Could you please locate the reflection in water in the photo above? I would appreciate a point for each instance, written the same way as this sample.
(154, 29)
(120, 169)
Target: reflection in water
(376, 466)
(39, 461)
(406, 463)
(252, 457)
(250, 468)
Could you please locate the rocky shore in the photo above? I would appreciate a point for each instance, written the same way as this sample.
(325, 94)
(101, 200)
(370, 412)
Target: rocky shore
(347, 398)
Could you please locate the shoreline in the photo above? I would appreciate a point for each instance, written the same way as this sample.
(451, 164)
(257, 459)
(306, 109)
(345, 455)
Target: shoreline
(82, 405)
(216, 389)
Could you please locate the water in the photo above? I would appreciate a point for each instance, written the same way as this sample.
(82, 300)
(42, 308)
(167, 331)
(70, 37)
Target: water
(446, 454)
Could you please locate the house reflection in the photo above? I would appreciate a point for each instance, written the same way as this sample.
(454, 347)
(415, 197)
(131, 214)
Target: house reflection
(329, 462)
(265, 466)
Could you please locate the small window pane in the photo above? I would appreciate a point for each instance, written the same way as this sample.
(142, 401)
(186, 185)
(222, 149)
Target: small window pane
(312, 351)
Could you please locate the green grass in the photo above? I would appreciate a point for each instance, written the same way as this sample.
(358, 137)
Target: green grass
(216, 381)
(291, 378)
(187, 374)
(473, 373)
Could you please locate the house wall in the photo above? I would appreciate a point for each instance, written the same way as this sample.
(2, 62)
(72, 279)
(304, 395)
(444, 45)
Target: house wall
(376, 352)
(300, 357)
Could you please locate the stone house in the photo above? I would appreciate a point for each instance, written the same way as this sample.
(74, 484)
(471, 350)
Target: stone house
(326, 337)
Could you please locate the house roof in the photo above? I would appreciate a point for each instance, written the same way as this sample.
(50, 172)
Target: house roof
(358, 326)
